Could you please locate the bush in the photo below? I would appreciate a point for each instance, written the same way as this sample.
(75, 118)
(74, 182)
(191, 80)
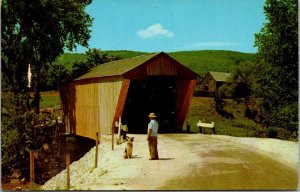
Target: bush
(19, 134)
(276, 132)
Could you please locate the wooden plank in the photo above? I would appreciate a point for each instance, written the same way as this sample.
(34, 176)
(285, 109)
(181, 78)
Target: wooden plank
(31, 156)
(186, 88)
(96, 153)
(95, 106)
(121, 100)
(68, 171)
(161, 65)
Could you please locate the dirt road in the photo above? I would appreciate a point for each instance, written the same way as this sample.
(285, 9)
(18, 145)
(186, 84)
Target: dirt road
(187, 162)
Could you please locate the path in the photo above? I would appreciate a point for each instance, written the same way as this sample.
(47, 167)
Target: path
(197, 162)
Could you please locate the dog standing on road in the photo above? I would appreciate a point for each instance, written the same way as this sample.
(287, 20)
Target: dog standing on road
(128, 148)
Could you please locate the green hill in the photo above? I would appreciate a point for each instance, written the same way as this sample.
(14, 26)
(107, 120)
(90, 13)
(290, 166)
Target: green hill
(68, 59)
(125, 54)
(199, 61)
(214, 60)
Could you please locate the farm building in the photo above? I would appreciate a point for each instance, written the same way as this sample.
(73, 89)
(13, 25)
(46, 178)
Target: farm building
(212, 81)
(130, 89)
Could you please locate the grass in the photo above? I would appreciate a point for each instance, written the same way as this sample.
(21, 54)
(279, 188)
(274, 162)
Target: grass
(49, 99)
(68, 59)
(214, 60)
(202, 108)
(125, 54)
(199, 61)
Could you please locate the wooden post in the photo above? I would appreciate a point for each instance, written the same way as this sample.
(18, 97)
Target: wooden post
(56, 131)
(112, 138)
(31, 156)
(68, 170)
(119, 129)
(96, 154)
(188, 127)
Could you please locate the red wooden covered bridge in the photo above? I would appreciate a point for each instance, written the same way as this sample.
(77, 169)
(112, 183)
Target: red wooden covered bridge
(130, 89)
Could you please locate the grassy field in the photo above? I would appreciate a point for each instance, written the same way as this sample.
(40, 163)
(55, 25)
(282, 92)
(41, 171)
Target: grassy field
(215, 60)
(68, 59)
(49, 99)
(202, 108)
(199, 61)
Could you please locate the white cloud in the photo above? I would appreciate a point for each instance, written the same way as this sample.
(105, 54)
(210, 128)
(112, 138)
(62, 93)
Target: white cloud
(155, 30)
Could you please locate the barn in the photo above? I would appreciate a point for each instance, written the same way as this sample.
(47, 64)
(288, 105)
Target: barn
(131, 89)
(212, 81)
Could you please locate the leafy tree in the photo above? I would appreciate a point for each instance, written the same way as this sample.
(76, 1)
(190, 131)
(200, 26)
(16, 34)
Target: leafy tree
(53, 76)
(36, 32)
(58, 74)
(242, 79)
(277, 69)
(21, 133)
(223, 92)
(17, 133)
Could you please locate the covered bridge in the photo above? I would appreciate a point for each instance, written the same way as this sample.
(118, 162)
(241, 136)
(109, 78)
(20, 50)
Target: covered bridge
(130, 89)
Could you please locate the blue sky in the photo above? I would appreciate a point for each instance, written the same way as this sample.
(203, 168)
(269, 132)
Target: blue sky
(175, 25)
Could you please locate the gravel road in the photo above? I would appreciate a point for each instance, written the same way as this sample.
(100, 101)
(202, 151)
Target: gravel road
(187, 162)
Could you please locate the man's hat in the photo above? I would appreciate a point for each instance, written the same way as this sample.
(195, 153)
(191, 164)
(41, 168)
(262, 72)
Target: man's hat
(152, 115)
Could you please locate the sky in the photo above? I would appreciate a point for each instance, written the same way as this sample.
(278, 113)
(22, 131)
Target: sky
(175, 25)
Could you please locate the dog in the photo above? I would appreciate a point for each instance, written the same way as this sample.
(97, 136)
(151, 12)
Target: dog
(129, 148)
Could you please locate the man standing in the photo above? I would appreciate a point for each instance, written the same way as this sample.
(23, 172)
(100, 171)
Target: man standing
(152, 137)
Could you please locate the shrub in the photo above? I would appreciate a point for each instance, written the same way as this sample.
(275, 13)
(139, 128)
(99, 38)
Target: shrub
(19, 134)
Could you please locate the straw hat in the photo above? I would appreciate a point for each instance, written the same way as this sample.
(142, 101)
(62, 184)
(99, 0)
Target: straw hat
(152, 115)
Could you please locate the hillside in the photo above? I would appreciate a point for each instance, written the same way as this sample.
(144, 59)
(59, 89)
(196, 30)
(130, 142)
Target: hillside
(199, 61)
(211, 60)
(68, 59)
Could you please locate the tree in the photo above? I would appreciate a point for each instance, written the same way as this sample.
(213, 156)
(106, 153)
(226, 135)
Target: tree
(37, 32)
(53, 76)
(18, 133)
(242, 81)
(276, 72)
(34, 32)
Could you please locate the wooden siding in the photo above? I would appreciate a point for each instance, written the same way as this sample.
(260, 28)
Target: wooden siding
(208, 84)
(138, 73)
(162, 65)
(184, 95)
(91, 106)
(121, 100)
(87, 110)
(67, 96)
(109, 95)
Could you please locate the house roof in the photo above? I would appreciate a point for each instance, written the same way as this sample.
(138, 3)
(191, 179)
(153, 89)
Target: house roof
(220, 76)
(117, 67)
